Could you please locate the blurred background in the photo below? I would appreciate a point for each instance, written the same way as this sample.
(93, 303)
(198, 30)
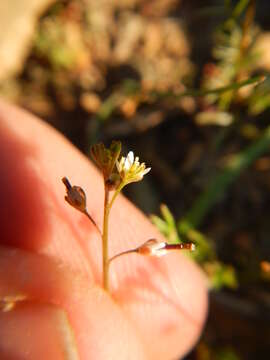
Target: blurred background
(185, 84)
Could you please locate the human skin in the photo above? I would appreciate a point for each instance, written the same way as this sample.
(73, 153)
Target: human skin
(50, 258)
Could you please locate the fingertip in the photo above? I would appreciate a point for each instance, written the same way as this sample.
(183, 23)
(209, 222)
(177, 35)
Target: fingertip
(165, 298)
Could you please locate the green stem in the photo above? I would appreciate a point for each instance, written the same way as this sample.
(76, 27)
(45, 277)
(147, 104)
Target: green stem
(219, 90)
(107, 208)
(239, 8)
(131, 251)
(85, 212)
(116, 193)
(105, 264)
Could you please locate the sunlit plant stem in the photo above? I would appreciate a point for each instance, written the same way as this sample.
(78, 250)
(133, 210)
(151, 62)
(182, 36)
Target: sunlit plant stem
(107, 208)
(105, 264)
(128, 170)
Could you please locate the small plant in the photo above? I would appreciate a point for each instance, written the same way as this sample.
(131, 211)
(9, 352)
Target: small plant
(116, 175)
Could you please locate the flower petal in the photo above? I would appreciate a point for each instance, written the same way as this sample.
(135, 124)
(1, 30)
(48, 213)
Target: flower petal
(146, 171)
(129, 160)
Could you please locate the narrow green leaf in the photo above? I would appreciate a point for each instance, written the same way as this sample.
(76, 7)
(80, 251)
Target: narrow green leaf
(219, 184)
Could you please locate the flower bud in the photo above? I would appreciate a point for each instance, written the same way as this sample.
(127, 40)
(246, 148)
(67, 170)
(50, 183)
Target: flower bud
(105, 158)
(75, 196)
(153, 247)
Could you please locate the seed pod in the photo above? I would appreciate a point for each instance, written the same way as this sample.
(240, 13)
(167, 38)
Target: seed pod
(75, 196)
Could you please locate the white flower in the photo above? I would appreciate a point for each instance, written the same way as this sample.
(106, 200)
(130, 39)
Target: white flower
(131, 169)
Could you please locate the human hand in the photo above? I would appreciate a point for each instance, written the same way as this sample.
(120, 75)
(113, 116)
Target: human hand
(50, 259)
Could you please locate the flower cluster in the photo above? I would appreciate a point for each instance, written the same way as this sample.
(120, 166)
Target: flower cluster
(118, 172)
(130, 169)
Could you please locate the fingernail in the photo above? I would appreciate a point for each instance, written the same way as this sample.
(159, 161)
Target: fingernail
(36, 331)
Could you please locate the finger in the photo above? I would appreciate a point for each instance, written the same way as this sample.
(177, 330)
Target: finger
(33, 327)
(33, 214)
(36, 331)
(166, 301)
(164, 298)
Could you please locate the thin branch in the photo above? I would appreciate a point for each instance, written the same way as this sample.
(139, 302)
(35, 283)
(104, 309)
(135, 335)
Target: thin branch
(123, 253)
(92, 221)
